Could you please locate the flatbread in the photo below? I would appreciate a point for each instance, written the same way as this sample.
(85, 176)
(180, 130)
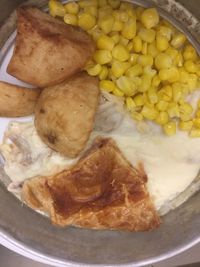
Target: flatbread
(102, 191)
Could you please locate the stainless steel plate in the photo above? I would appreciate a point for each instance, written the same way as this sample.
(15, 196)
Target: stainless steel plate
(31, 234)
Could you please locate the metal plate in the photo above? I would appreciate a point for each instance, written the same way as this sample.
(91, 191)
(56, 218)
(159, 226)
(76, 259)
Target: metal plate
(32, 235)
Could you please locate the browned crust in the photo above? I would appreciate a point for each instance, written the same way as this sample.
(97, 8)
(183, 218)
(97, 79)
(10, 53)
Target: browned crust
(102, 191)
(47, 51)
(17, 101)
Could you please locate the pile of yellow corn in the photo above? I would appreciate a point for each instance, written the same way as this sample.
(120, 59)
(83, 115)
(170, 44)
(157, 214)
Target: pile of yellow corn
(141, 58)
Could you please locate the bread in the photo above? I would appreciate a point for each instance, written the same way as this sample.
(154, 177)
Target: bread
(64, 114)
(47, 51)
(102, 191)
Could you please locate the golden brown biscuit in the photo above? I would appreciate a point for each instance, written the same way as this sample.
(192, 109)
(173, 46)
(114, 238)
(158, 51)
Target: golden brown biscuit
(64, 114)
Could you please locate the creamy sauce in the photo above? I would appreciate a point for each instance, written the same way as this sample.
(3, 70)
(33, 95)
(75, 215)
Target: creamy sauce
(171, 163)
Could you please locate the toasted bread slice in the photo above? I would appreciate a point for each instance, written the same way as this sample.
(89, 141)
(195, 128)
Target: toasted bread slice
(47, 51)
(17, 101)
(102, 191)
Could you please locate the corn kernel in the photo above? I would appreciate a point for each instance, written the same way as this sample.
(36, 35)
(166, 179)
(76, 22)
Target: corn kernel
(125, 6)
(129, 29)
(118, 92)
(137, 116)
(130, 46)
(70, 19)
(102, 56)
(137, 44)
(153, 97)
(115, 37)
(104, 11)
(166, 93)
(165, 31)
(161, 43)
(146, 83)
(190, 66)
(118, 68)
(170, 128)
(162, 105)
(198, 104)
(196, 123)
(107, 85)
(94, 70)
(149, 71)
(56, 8)
(164, 74)
(139, 10)
(138, 100)
(117, 25)
(102, 3)
(137, 81)
(86, 21)
(186, 108)
(149, 113)
(84, 3)
(185, 125)
(123, 41)
(177, 92)
(150, 18)
(174, 75)
(152, 50)
(133, 58)
(95, 32)
(179, 60)
(163, 61)
(105, 42)
(92, 10)
(72, 8)
(195, 132)
(114, 3)
(190, 53)
(178, 40)
(135, 70)
(106, 24)
(126, 86)
(185, 117)
(183, 75)
(120, 53)
(120, 15)
(145, 60)
(156, 81)
(192, 82)
(162, 118)
(173, 110)
(103, 73)
(147, 35)
(130, 103)
(144, 48)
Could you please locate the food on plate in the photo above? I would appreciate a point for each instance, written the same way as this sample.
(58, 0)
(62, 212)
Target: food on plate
(47, 51)
(141, 58)
(102, 191)
(103, 161)
(64, 114)
(171, 175)
(26, 156)
(17, 101)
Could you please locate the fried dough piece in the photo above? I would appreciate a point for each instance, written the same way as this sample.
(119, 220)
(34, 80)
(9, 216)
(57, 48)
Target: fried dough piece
(102, 191)
(17, 101)
(47, 51)
(64, 114)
